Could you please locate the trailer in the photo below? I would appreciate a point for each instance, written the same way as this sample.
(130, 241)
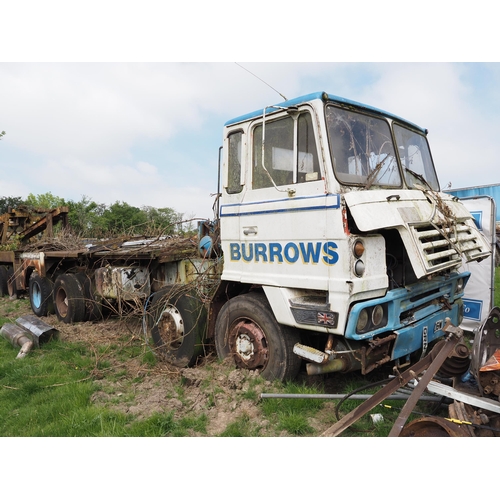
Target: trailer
(332, 248)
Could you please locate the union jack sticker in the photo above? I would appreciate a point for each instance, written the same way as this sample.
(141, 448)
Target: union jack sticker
(326, 318)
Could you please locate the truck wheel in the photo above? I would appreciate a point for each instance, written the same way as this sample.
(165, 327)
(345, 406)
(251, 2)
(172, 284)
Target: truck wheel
(247, 331)
(69, 299)
(3, 281)
(40, 292)
(177, 322)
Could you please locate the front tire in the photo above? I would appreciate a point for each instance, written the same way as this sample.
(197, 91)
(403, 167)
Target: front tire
(177, 322)
(247, 330)
(40, 293)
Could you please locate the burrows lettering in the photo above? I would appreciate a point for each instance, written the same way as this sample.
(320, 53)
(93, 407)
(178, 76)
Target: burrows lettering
(290, 253)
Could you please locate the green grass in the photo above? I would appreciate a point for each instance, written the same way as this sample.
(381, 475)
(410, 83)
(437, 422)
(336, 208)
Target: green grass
(291, 414)
(49, 392)
(13, 307)
(243, 426)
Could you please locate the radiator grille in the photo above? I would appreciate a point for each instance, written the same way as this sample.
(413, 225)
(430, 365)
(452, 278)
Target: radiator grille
(443, 247)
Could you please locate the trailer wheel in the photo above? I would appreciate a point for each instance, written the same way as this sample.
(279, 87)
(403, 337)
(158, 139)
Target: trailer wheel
(177, 322)
(40, 292)
(69, 299)
(93, 306)
(3, 281)
(247, 331)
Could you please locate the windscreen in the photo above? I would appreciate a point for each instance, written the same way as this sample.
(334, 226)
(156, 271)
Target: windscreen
(415, 158)
(362, 149)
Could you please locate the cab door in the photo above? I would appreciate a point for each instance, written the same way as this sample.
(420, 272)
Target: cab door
(282, 212)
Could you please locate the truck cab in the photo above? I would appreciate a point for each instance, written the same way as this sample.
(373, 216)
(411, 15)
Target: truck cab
(333, 227)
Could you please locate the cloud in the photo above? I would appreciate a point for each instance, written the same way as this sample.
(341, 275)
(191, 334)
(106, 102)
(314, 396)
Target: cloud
(442, 98)
(149, 133)
(95, 110)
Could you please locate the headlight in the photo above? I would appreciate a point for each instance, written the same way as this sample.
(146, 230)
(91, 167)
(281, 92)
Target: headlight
(362, 320)
(460, 285)
(372, 318)
(377, 315)
(359, 268)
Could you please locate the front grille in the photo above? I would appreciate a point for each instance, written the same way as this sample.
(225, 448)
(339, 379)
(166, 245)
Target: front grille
(443, 247)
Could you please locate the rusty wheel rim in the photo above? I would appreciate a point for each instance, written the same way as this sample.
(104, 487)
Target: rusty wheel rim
(171, 327)
(61, 302)
(248, 345)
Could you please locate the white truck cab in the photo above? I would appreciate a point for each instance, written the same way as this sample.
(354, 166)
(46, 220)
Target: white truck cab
(339, 248)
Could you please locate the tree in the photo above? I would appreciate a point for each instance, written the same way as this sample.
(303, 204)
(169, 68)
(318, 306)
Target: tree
(2, 133)
(162, 220)
(10, 202)
(85, 217)
(46, 201)
(120, 217)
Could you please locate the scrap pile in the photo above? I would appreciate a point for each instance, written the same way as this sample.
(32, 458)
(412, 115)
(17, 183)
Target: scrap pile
(474, 388)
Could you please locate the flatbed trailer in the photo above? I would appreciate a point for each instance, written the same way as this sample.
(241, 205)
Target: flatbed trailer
(108, 273)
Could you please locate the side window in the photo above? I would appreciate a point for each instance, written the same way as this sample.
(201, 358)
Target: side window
(290, 152)
(307, 160)
(234, 163)
(278, 154)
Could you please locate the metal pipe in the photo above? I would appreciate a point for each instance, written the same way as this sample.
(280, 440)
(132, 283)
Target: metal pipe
(18, 336)
(342, 396)
(333, 365)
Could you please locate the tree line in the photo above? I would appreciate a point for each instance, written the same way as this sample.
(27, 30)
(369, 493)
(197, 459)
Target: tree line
(89, 219)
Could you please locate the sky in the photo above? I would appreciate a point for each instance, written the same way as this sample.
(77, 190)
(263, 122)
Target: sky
(82, 120)
(148, 133)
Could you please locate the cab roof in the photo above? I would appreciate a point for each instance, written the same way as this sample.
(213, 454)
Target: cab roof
(325, 97)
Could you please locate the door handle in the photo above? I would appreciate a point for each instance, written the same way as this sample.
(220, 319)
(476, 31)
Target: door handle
(252, 230)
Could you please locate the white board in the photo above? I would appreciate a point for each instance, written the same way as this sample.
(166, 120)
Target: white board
(479, 292)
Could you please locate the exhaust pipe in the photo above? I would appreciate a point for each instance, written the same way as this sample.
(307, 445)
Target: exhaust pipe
(18, 336)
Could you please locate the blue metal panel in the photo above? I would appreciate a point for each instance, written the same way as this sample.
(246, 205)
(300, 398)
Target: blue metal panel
(493, 191)
(421, 299)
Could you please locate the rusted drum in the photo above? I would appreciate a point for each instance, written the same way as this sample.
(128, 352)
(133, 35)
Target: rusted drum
(433, 427)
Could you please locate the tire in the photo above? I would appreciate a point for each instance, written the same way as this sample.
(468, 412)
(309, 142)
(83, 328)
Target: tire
(93, 307)
(69, 299)
(177, 323)
(4, 291)
(40, 293)
(247, 330)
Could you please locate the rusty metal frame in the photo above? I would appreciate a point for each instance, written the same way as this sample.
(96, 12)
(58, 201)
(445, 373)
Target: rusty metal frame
(430, 364)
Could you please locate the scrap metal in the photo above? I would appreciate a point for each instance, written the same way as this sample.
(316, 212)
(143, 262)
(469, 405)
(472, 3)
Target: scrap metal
(28, 332)
(429, 363)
